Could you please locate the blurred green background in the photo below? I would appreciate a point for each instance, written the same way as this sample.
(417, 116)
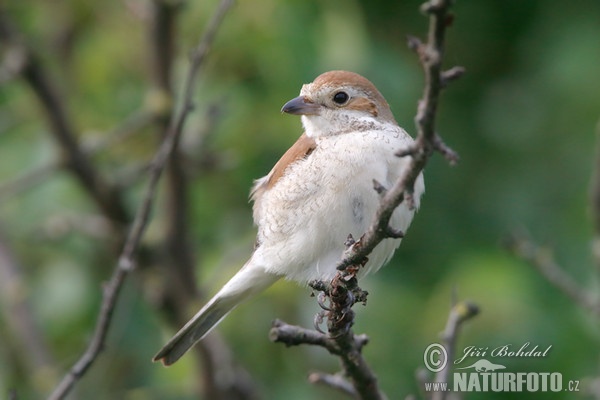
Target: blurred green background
(523, 120)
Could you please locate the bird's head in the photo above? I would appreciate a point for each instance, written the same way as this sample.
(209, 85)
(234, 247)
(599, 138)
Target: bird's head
(337, 102)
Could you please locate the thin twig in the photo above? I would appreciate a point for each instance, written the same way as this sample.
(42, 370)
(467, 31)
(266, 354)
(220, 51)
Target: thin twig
(33, 350)
(106, 195)
(179, 279)
(459, 313)
(543, 261)
(27, 180)
(347, 346)
(595, 202)
(131, 125)
(427, 141)
(291, 335)
(343, 291)
(334, 381)
(12, 64)
(126, 260)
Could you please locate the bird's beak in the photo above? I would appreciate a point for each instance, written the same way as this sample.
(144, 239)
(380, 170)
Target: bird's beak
(301, 106)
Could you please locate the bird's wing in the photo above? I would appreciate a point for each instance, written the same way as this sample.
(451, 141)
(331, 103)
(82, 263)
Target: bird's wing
(299, 150)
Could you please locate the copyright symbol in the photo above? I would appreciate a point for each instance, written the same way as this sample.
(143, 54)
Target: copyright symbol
(435, 357)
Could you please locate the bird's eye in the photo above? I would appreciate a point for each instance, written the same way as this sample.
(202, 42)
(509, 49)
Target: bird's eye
(340, 97)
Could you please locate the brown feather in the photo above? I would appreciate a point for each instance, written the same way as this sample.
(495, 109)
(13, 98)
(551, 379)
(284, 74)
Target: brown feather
(302, 148)
(363, 104)
(299, 150)
(340, 79)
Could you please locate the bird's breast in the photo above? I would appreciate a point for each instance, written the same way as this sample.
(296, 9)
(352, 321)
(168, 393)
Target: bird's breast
(321, 199)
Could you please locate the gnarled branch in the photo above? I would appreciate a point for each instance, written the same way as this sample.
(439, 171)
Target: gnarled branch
(343, 291)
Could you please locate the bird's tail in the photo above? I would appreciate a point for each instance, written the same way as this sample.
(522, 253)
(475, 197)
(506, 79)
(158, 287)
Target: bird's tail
(250, 280)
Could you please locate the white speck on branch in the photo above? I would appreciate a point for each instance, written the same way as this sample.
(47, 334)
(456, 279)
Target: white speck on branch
(335, 381)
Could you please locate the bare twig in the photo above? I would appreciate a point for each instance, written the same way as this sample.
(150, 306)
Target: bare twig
(131, 125)
(459, 313)
(292, 335)
(595, 186)
(179, 270)
(543, 261)
(595, 202)
(427, 141)
(126, 260)
(13, 63)
(180, 277)
(346, 345)
(343, 291)
(19, 318)
(27, 180)
(333, 381)
(13, 395)
(106, 196)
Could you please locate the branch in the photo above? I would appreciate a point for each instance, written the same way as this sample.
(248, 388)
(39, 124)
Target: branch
(12, 64)
(180, 278)
(543, 261)
(291, 335)
(32, 349)
(131, 125)
(333, 381)
(459, 313)
(107, 197)
(427, 140)
(595, 202)
(343, 291)
(126, 262)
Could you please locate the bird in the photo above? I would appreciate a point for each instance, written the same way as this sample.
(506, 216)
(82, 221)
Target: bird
(320, 191)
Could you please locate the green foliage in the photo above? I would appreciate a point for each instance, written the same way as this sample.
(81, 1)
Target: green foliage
(523, 120)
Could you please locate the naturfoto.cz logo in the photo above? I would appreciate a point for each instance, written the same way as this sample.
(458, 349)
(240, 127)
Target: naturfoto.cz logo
(484, 375)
